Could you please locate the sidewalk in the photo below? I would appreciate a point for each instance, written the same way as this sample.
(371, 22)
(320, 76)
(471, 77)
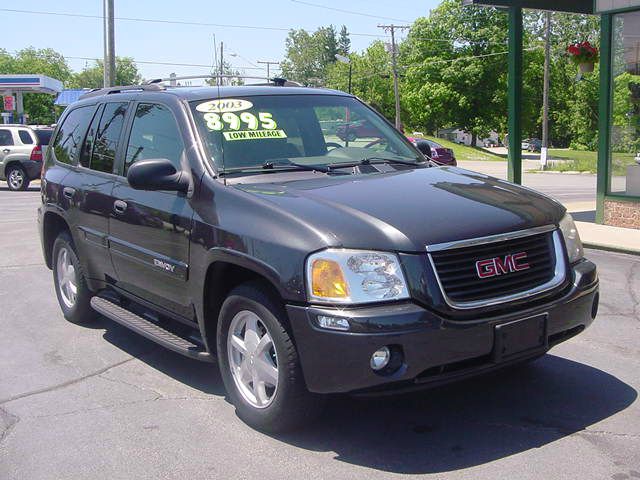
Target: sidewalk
(602, 237)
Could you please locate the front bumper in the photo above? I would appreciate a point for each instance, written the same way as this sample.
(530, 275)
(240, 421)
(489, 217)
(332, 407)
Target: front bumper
(435, 349)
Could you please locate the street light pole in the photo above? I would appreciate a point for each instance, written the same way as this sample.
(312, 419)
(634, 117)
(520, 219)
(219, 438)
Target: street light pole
(109, 62)
(545, 95)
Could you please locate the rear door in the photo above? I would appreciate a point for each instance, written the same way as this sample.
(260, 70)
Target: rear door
(6, 145)
(87, 189)
(150, 230)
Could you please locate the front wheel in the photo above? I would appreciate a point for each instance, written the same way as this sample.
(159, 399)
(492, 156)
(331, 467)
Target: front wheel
(17, 178)
(259, 363)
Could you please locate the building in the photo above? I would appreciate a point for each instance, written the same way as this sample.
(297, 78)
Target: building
(618, 197)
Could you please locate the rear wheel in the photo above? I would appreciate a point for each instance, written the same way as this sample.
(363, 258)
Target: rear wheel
(71, 287)
(259, 363)
(17, 178)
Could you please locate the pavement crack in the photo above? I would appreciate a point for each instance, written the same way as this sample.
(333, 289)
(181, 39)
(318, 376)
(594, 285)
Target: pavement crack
(65, 384)
(137, 387)
(7, 422)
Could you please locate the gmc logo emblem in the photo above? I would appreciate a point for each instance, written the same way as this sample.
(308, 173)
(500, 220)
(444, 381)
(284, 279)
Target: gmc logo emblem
(492, 267)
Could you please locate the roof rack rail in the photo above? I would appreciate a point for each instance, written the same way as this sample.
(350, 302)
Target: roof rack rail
(96, 92)
(279, 82)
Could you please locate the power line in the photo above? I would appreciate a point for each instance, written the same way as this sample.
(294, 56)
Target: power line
(172, 22)
(350, 12)
(171, 64)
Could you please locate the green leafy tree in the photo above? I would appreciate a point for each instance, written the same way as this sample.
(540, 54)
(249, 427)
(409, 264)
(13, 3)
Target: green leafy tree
(93, 76)
(371, 78)
(344, 42)
(310, 54)
(227, 69)
(461, 81)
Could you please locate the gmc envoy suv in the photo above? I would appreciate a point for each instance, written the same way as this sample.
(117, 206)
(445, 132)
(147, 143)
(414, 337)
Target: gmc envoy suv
(234, 225)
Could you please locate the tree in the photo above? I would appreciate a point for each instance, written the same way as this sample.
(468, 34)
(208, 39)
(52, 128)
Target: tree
(227, 69)
(43, 61)
(92, 76)
(309, 54)
(344, 42)
(455, 69)
(371, 78)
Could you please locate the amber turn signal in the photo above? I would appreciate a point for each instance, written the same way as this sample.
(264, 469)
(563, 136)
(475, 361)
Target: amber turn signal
(327, 280)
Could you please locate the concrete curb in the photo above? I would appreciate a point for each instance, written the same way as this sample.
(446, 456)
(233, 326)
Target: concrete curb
(610, 248)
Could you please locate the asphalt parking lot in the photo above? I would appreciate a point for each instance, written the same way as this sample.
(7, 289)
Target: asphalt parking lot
(101, 402)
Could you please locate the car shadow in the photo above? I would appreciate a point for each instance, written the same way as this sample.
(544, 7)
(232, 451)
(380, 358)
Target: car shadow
(30, 188)
(458, 426)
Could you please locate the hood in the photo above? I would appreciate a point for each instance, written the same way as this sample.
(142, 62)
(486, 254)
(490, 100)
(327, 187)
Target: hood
(406, 210)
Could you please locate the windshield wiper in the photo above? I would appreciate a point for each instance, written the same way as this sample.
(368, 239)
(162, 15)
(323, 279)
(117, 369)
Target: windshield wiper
(278, 164)
(287, 164)
(372, 160)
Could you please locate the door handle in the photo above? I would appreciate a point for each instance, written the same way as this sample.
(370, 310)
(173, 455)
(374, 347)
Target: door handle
(68, 192)
(119, 206)
(6, 150)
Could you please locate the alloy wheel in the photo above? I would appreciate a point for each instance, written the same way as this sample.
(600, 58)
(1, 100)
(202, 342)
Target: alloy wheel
(16, 179)
(67, 283)
(253, 360)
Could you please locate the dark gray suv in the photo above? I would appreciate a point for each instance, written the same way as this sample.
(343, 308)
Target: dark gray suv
(233, 225)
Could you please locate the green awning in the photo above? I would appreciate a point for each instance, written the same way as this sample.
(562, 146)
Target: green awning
(574, 6)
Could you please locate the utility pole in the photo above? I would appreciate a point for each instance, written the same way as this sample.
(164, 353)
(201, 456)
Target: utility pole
(109, 67)
(394, 64)
(545, 94)
(221, 80)
(268, 64)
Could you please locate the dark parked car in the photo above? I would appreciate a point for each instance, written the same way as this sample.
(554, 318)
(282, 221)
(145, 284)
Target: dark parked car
(534, 145)
(222, 224)
(351, 131)
(436, 152)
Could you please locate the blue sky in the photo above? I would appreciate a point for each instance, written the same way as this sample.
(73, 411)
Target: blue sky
(82, 37)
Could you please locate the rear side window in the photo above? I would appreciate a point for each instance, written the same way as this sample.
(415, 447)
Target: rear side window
(44, 136)
(5, 137)
(25, 137)
(154, 134)
(106, 141)
(66, 146)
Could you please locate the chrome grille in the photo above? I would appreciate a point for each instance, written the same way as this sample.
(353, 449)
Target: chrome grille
(455, 267)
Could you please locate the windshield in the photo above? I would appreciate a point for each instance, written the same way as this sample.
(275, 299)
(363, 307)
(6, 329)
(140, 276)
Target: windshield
(244, 133)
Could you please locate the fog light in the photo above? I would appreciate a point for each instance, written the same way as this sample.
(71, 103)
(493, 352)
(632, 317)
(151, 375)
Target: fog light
(380, 358)
(333, 323)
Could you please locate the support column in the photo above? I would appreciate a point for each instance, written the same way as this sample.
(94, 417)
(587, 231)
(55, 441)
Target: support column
(514, 168)
(604, 115)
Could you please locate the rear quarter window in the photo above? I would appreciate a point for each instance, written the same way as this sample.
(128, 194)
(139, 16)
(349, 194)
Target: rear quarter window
(25, 137)
(66, 146)
(44, 136)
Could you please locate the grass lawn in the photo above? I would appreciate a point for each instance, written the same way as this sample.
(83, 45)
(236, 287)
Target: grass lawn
(583, 161)
(464, 153)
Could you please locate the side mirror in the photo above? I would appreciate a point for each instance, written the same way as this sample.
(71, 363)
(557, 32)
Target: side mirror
(157, 174)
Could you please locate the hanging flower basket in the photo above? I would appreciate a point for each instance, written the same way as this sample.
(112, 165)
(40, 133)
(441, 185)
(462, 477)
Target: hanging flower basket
(584, 55)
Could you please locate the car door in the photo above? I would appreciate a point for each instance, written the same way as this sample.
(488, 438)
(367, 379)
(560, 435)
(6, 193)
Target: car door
(150, 230)
(86, 190)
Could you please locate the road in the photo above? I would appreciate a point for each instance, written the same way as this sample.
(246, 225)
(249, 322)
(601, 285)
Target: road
(566, 188)
(98, 401)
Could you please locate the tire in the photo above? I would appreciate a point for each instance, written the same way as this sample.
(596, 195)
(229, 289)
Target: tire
(17, 178)
(76, 307)
(287, 405)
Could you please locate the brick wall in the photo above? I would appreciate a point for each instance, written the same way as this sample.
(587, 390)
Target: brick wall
(622, 214)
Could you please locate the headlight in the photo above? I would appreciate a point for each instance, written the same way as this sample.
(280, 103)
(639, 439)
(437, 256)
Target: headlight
(355, 276)
(571, 239)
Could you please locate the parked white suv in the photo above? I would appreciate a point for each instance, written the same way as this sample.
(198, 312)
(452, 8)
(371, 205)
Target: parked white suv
(21, 151)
